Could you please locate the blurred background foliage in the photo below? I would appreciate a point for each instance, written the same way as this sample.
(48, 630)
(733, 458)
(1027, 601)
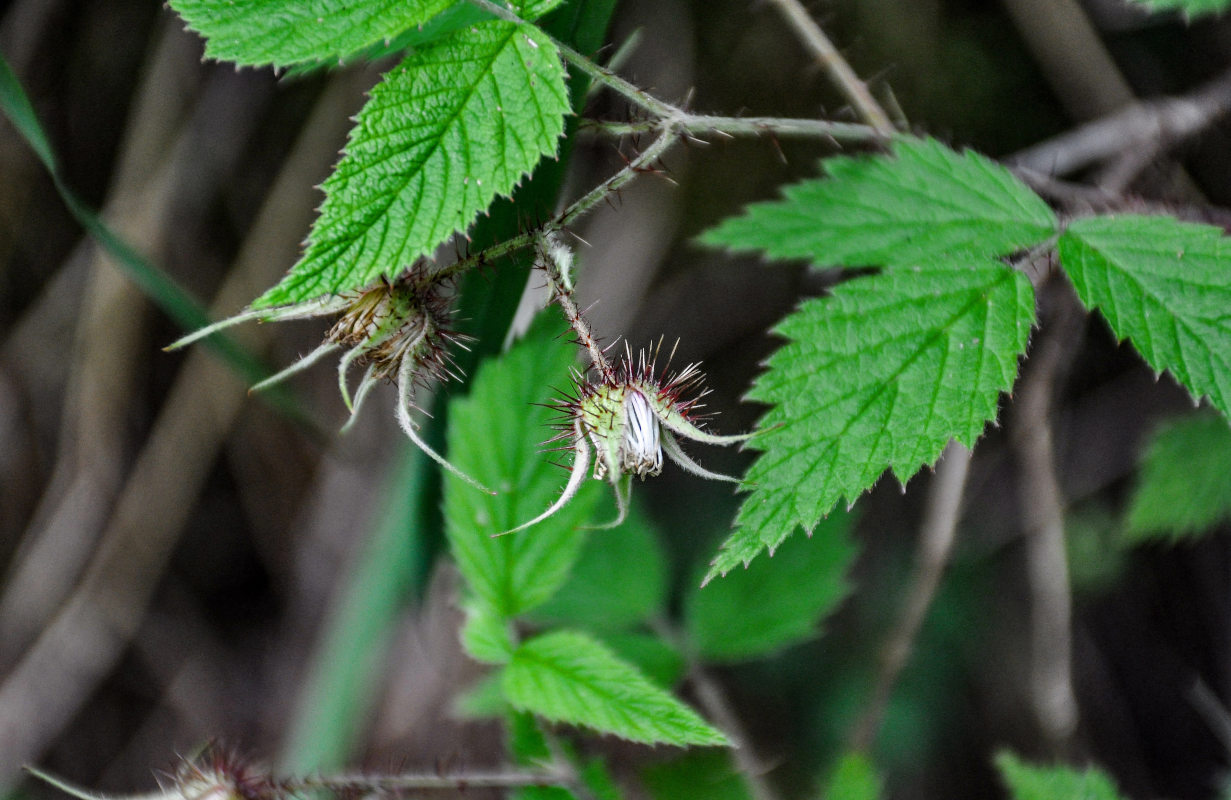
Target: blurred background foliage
(179, 558)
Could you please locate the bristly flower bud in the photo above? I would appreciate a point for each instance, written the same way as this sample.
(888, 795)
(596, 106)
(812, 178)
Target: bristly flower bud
(631, 419)
(397, 329)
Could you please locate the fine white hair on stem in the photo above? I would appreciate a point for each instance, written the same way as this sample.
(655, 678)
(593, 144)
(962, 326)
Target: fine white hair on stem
(404, 405)
(581, 463)
(315, 308)
(677, 454)
(324, 349)
(365, 386)
(344, 363)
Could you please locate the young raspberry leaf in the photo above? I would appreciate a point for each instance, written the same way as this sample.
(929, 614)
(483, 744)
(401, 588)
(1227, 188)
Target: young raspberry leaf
(285, 33)
(923, 202)
(1164, 285)
(567, 676)
(496, 435)
(881, 375)
(454, 125)
(1185, 484)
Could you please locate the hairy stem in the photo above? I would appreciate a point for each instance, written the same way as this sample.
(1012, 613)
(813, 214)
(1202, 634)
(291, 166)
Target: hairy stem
(782, 127)
(839, 71)
(577, 209)
(408, 782)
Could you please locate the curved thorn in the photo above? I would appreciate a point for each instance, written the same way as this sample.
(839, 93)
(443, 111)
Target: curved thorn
(676, 453)
(581, 463)
(324, 349)
(408, 425)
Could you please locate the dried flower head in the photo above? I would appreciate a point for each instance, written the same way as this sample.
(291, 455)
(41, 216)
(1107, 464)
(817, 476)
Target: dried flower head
(631, 418)
(397, 329)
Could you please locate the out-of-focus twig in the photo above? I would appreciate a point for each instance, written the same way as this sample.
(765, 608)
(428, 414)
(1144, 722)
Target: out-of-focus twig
(936, 538)
(81, 645)
(1144, 128)
(89, 460)
(1052, 695)
(837, 67)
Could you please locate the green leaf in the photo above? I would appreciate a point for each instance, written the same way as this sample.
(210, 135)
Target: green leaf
(705, 774)
(1190, 8)
(657, 660)
(286, 32)
(567, 676)
(486, 636)
(496, 435)
(879, 376)
(1031, 782)
(1185, 484)
(619, 581)
(483, 700)
(533, 9)
(453, 126)
(923, 203)
(758, 611)
(854, 778)
(1166, 286)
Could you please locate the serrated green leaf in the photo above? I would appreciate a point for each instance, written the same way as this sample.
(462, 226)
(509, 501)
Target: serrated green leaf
(879, 376)
(567, 676)
(486, 636)
(853, 778)
(282, 33)
(1190, 8)
(923, 203)
(755, 612)
(1032, 782)
(496, 435)
(705, 774)
(456, 124)
(619, 580)
(1166, 286)
(533, 9)
(1185, 484)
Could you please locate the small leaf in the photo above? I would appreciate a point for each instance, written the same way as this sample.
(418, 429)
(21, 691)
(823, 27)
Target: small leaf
(923, 203)
(533, 9)
(286, 32)
(496, 435)
(705, 774)
(1185, 484)
(1031, 782)
(454, 125)
(1166, 286)
(777, 603)
(567, 676)
(486, 637)
(854, 778)
(619, 580)
(1190, 8)
(483, 700)
(879, 376)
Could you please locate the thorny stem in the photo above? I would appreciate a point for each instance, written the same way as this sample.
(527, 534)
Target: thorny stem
(575, 210)
(835, 66)
(562, 291)
(936, 540)
(406, 782)
(782, 127)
